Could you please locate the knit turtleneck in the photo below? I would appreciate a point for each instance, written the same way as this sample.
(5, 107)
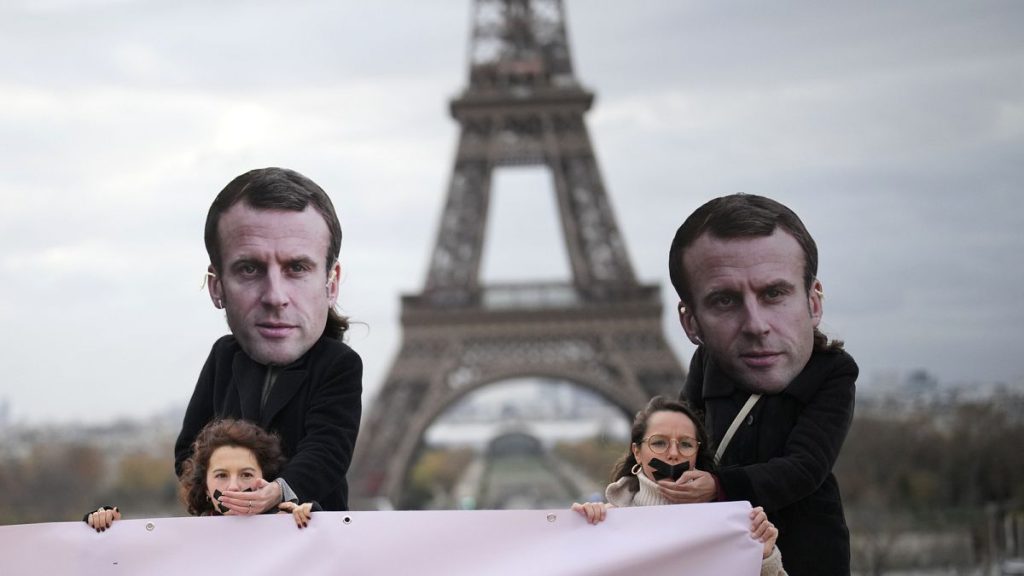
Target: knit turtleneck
(621, 492)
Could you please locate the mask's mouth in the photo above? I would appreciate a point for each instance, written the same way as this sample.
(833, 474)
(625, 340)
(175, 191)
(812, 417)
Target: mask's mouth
(664, 470)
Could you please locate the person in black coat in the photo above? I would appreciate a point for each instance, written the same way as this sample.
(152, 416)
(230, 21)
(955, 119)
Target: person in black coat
(273, 239)
(745, 269)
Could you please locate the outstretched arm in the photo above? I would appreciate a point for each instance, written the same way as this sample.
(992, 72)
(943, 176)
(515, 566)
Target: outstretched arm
(811, 446)
(323, 455)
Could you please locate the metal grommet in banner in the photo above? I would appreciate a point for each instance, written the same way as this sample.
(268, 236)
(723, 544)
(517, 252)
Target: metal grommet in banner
(552, 517)
(150, 526)
(347, 519)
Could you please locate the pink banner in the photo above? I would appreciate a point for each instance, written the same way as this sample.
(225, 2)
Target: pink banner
(696, 539)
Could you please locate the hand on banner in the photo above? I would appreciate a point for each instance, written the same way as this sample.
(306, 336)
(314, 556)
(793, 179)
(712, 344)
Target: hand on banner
(692, 487)
(103, 518)
(594, 512)
(266, 496)
(302, 513)
(763, 530)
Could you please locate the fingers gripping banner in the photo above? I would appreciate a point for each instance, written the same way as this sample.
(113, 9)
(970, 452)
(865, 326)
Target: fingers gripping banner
(697, 539)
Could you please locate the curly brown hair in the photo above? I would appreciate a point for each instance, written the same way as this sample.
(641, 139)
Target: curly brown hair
(265, 446)
(705, 459)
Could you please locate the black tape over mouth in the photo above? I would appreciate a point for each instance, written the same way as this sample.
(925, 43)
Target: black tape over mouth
(219, 506)
(664, 470)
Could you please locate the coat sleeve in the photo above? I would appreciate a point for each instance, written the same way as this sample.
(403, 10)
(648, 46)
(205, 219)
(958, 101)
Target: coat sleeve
(810, 449)
(323, 454)
(198, 413)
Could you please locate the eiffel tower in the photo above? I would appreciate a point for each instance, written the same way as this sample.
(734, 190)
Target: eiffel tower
(602, 331)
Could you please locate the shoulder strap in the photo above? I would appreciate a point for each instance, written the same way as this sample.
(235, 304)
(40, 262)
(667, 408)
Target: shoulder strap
(735, 425)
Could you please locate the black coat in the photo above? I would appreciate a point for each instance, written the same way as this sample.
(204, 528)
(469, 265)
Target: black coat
(782, 456)
(314, 406)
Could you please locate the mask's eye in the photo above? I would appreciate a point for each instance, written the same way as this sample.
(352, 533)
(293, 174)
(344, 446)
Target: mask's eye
(723, 301)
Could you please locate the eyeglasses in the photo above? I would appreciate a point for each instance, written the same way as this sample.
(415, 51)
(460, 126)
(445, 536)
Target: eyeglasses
(660, 444)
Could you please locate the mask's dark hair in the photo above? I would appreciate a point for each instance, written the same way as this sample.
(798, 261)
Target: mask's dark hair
(743, 216)
(277, 189)
(624, 466)
(266, 447)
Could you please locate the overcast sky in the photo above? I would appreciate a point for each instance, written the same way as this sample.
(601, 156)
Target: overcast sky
(895, 130)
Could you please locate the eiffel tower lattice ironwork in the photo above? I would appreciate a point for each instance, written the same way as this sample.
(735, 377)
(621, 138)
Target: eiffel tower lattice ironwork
(523, 106)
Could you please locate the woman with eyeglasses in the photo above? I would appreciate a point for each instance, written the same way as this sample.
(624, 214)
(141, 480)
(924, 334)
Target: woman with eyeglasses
(668, 444)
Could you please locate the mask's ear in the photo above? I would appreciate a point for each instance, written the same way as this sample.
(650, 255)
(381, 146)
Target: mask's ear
(333, 279)
(816, 301)
(690, 324)
(215, 288)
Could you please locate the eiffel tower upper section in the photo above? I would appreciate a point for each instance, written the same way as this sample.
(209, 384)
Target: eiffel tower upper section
(524, 106)
(602, 331)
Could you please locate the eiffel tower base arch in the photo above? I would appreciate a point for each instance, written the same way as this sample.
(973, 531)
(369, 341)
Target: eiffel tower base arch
(616, 350)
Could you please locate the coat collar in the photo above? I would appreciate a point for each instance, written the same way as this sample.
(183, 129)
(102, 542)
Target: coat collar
(717, 384)
(248, 377)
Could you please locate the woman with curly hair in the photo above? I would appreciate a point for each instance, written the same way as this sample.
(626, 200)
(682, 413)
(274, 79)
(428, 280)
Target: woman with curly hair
(668, 442)
(227, 455)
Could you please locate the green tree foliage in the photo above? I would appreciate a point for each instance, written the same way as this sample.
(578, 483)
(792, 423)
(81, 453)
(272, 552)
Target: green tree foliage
(434, 476)
(963, 457)
(56, 482)
(943, 468)
(145, 486)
